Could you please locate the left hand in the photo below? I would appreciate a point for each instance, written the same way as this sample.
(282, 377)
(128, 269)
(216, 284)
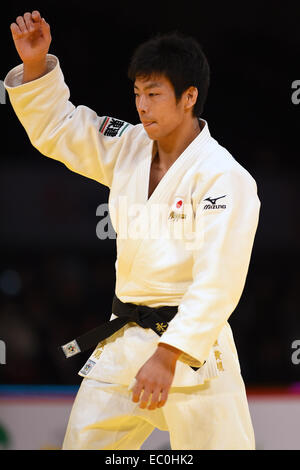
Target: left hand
(155, 377)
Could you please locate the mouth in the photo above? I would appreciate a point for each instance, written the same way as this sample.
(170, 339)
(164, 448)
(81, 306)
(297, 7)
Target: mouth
(148, 123)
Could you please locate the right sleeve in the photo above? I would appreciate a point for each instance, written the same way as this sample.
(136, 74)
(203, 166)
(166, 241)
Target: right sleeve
(86, 143)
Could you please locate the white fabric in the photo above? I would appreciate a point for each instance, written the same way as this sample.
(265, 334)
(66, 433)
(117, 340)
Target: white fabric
(213, 416)
(195, 256)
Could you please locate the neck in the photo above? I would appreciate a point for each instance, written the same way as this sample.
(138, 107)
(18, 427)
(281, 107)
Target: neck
(171, 147)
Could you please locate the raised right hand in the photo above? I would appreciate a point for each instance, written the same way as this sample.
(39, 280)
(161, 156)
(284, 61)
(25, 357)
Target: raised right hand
(32, 37)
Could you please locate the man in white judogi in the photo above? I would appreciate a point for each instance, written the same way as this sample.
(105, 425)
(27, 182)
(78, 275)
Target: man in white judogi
(185, 212)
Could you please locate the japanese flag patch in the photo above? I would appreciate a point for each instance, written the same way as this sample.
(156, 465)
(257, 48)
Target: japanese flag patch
(177, 209)
(111, 127)
(178, 204)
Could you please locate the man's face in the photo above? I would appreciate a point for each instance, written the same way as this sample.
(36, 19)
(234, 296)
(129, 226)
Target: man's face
(156, 104)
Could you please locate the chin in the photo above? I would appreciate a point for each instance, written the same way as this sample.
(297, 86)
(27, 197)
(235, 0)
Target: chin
(155, 132)
(151, 133)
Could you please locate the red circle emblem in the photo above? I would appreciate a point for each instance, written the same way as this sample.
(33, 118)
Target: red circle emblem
(179, 204)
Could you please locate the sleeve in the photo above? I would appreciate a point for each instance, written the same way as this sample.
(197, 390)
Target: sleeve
(224, 238)
(76, 136)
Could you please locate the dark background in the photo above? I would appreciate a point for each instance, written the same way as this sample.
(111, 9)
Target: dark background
(56, 277)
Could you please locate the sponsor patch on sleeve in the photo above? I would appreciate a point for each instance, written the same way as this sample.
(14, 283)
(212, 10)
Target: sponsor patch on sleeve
(111, 127)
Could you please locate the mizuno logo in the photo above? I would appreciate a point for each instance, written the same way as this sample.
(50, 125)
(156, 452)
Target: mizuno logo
(213, 204)
(213, 201)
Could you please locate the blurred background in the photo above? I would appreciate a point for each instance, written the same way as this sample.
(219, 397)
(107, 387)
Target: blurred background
(56, 277)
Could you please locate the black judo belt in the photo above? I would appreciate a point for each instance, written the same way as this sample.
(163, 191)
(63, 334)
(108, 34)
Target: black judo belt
(147, 317)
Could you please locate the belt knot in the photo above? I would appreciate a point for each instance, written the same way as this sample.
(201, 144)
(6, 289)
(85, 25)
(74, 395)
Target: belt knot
(141, 314)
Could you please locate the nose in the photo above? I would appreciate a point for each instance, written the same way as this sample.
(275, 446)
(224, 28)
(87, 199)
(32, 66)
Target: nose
(142, 104)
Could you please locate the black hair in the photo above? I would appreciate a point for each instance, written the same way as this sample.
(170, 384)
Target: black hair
(177, 57)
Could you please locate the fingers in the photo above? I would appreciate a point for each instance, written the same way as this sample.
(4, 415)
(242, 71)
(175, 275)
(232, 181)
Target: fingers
(136, 392)
(36, 17)
(163, 398)
(145, 398)
(155, 399)
(45, 28)
(24, 24)
(142, 394)
(29, 22)
(15, 30)
(21, 23)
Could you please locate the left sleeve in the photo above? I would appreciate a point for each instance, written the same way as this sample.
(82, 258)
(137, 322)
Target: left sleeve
(224, 237)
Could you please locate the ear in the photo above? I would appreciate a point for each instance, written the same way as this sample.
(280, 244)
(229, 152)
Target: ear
(190, 97)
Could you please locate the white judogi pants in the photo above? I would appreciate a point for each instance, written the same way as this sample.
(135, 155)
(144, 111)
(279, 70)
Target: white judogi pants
(206, 416)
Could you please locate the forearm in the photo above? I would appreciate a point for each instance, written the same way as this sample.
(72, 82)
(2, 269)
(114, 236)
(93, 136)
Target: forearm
(34, 70)
(41, 104)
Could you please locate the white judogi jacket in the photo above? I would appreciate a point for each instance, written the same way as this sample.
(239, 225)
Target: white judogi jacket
(189, 244)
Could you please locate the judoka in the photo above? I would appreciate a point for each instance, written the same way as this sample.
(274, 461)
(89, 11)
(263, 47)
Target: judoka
(173, 363)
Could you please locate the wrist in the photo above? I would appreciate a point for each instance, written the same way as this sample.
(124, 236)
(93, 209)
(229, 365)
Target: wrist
(34, 69)
(169, 352)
